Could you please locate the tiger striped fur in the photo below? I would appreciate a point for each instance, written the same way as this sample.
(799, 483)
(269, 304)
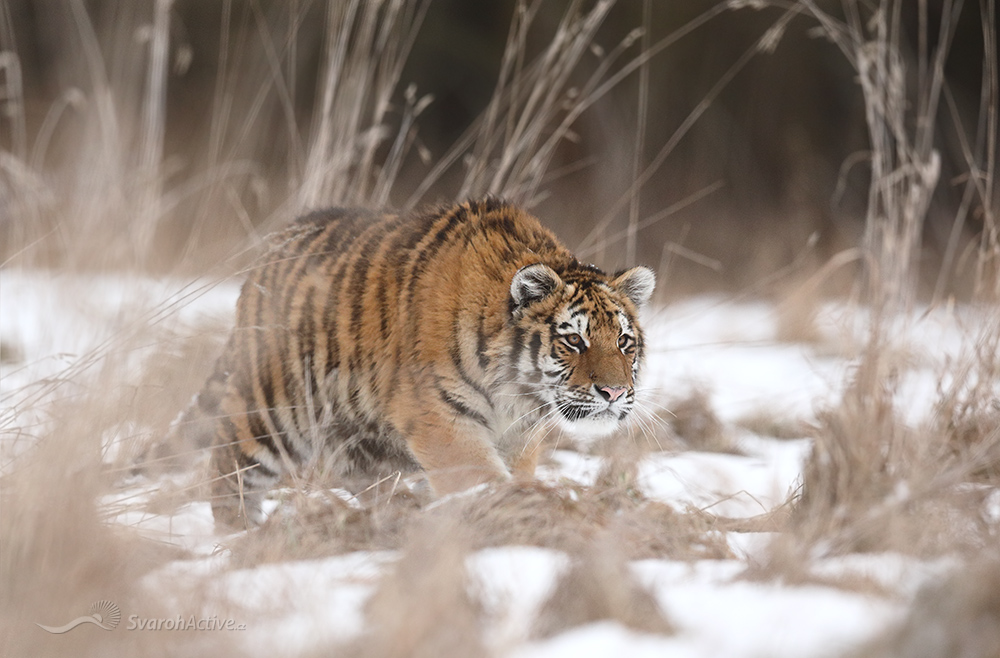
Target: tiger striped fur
(437, 340)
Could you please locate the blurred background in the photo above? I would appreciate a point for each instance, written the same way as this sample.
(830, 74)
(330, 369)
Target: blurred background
(752, 159)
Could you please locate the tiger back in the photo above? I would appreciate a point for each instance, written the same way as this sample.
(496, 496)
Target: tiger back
(448, 340)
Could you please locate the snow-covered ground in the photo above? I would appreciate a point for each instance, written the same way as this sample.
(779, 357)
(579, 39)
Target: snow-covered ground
(52, 326)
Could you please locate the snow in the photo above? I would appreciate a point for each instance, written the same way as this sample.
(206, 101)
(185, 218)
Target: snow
(779, 620)
(607, 638)
(732, 351)
(512, 583)
(726, 485)
(573, 466)
(287, 608)
(729, 349)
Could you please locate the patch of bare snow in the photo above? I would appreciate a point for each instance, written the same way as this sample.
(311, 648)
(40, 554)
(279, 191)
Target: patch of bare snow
(288, 608)
(512, 583)
(736, 619)
(724, 484)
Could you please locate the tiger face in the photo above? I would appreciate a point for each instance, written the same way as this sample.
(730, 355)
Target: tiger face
(584, 343)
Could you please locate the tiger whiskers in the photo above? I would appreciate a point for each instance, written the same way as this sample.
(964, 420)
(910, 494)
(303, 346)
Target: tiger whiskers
(547, 423)
(523, 416)
(648, 432)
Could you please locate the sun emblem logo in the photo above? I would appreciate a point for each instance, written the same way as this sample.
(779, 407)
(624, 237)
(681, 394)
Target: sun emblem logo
(106, 612)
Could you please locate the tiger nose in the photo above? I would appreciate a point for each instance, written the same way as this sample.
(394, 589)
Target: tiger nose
(611, 393)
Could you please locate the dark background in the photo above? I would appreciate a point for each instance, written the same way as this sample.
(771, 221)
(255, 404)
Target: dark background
(776, 137)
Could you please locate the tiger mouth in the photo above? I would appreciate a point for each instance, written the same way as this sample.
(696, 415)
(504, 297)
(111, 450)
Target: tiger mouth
(577, 412)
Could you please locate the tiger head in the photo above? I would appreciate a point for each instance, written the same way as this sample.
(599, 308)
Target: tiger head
(578, 343)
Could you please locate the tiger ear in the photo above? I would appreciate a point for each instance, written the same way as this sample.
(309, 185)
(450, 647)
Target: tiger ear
(637, 284)
(532, 283)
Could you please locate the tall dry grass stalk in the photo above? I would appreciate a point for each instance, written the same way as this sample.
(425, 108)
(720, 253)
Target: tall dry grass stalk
(509, 149)
(108, 201)
(901, 118)
(957, 617)
(597, 240)
(58, 553)
(873, 482)
(118, 193)
(367, 45)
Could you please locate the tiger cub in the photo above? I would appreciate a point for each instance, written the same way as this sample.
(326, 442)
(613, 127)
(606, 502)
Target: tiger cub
(448, 340)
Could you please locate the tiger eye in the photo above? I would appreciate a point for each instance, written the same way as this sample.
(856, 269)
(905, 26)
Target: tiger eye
(575, 340)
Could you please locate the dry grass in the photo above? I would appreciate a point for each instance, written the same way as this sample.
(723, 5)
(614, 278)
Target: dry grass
(320, 523)
(872, 483)
(57, 555)
(423, 607)
(957, 617)
(695, 422)
(568, 518)
(599, 587)
(968, 412)
(764, 422)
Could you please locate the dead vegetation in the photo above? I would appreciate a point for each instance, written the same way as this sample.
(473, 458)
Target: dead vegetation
(424, 606)
(599, 587)
(957, 617)
(872, 483)
(695, 422)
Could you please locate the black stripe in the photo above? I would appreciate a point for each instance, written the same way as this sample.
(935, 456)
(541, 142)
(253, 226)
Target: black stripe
(307, 326)
(454, 351)
(266, 385)
(484, 361)
(535, 345)
(455, 221)
(268, 442)
(359, 283)
(373, 380)
(381, 278)
(517, 346)
(505, 224)
(333, 300)
(258, 426)
(416, 229)
(359, 274)
(245, 462)
(306, 258)
(353, 391)
(460, 407)
(258, 431)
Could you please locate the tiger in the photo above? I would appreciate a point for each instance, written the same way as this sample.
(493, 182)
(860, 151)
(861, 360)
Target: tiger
(447, 340)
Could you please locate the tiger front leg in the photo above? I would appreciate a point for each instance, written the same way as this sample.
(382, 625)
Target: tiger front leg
(239, 478)
(456, 453)
(522, 451)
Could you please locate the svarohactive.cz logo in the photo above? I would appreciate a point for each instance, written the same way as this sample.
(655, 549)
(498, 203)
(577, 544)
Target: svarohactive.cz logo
(107, 615)
(103, 614)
